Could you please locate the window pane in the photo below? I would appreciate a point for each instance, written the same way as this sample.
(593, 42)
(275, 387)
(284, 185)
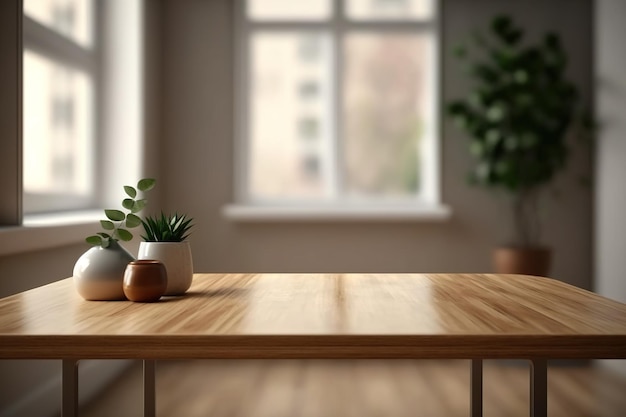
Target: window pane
(72, 18)
(389, 9)
(57, 145)
(387, 106)
(290, 124)
(289, 9)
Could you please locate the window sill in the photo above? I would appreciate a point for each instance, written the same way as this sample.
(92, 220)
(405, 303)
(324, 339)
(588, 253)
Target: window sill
(404, 213)
(44, 231)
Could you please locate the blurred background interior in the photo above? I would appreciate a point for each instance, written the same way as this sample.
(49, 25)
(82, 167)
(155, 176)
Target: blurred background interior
(304, 136)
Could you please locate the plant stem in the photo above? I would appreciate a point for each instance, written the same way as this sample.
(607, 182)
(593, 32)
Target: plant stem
(526, 218)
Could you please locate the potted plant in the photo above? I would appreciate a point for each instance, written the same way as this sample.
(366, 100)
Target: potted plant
(99, 272)
(165, 240)
(518, 117)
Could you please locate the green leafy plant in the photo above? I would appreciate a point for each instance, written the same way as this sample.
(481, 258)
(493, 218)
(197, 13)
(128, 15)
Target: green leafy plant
(170, 228)
(518, 116)
(117, 224)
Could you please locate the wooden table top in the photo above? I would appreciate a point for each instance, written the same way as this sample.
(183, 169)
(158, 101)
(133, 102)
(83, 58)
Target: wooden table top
(322, 316)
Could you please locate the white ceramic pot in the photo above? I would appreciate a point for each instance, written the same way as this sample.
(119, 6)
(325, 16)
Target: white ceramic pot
(176, 256)
(99, 272)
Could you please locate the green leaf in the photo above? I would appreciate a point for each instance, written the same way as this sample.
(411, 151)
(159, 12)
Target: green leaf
(124, 234)
(104, 235)
(132, 220)
(107, 225)
(521, 76)
(476, 99)
(476, 148)
(94, 240)
(128, 203)
(132, 193)
(503, 27)
(166, 228)
(457, 108)
(483, 171)
(146, 184)
(138, 205)
(501, 24)
(460, 51)
(492, 137)
(511, 143)
(114, 215)
(529, 141)
(495, 113)
(552, 41)
(514, 36)
(485, 73)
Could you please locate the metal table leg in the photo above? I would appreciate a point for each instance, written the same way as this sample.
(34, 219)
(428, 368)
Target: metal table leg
(69, 374)
(149, 393)
(476, 388)
(539, 388)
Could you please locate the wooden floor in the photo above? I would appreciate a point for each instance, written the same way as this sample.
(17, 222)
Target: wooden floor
(326, 388)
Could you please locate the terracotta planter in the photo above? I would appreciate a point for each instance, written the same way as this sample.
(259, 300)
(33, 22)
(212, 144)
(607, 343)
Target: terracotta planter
(145, 281)
(521, 260)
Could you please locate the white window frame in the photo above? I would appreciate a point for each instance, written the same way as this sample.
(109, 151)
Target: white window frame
(426, 205)
(53, 45)
(118, 23)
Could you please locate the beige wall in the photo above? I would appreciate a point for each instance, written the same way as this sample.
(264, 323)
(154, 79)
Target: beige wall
(611, 154)
(33, 269)
(198, 158)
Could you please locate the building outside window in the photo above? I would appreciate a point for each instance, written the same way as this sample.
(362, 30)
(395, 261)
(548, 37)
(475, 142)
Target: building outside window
(337, 101)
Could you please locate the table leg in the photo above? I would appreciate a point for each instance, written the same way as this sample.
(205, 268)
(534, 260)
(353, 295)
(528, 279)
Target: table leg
(149, 393)
(539, 388)
(476, 388)
(69, 375)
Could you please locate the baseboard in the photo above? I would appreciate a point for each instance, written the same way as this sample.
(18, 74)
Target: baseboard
(45, 399)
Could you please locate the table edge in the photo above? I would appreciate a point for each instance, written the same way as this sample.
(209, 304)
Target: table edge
(312, 346)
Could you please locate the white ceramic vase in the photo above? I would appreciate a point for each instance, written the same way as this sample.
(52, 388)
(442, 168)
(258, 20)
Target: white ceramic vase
(99, 272)
(176, 256)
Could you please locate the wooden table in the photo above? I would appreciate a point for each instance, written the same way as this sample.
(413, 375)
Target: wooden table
(280, 316)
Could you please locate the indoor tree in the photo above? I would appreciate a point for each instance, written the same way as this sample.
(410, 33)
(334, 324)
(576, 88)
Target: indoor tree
(517, 116)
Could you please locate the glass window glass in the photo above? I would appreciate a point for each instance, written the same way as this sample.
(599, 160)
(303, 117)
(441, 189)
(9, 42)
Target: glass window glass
(289, 130)
(387, 93)
(308, 89)
(71, 18)
(389, 9)
(58, 131)
(289, 9)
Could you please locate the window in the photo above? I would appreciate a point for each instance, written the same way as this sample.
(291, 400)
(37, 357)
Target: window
(59, 96)
(337, 102)
(81, 79)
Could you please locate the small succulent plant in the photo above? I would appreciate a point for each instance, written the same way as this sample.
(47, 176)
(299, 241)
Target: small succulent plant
(117, 224)
(166, 228)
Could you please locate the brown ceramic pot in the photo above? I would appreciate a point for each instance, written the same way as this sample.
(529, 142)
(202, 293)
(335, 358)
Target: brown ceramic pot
(145, 280)
(521, 260)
